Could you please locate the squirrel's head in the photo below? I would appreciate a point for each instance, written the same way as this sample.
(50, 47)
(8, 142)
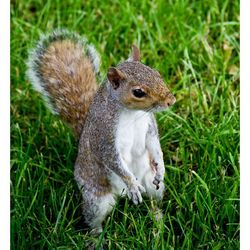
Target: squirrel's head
(137, 86)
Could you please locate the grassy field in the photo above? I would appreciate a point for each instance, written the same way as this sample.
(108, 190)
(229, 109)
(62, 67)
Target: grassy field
(195, 45)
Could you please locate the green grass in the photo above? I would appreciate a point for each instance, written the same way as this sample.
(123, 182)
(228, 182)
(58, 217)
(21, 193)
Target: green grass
(195, 45)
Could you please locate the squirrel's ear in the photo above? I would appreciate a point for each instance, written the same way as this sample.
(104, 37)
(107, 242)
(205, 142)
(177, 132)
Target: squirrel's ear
(115, 76)
(135, 56)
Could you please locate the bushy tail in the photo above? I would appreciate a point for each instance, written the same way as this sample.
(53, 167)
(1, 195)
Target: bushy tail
(63, 68)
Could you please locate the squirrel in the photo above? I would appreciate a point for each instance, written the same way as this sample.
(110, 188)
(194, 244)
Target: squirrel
(119, 152)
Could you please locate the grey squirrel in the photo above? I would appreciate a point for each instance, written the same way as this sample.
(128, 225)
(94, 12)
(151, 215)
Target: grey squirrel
(119, 151)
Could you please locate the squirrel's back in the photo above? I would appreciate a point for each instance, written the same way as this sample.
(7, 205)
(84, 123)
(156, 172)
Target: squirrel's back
(63, 68)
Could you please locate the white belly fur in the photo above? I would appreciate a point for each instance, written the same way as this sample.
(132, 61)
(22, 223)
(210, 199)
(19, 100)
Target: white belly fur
(131, 144)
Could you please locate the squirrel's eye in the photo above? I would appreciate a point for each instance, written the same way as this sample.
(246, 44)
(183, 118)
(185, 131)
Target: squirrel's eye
(138, 93)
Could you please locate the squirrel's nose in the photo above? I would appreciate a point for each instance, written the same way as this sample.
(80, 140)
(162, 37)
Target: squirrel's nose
(170, 100)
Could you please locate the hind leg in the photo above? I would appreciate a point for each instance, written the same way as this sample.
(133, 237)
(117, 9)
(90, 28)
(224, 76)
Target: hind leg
(155, 195)
(95, 210)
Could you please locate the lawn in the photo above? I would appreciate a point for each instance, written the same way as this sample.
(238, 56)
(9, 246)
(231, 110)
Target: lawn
(195, 46)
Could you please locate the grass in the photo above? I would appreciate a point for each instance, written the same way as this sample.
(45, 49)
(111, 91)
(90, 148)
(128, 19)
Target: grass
(195, 45)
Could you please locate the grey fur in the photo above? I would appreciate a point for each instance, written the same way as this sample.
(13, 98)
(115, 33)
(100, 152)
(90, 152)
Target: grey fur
(98, 139)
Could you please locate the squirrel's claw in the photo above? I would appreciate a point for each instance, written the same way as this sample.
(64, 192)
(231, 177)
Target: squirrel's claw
(157, 180)
(156, 183)
(135, 191)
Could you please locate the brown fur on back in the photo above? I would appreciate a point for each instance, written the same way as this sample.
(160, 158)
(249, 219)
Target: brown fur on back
(69, 78)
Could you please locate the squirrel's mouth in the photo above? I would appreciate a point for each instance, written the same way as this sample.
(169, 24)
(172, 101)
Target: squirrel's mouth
(159, 108)
(168, 102)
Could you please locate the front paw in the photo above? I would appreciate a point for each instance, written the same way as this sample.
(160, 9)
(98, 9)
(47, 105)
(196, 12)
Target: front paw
(159, 175)
(157, 180)
(134, 192)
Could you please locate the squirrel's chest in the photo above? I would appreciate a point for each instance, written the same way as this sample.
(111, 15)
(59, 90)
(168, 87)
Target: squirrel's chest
(131, 134)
